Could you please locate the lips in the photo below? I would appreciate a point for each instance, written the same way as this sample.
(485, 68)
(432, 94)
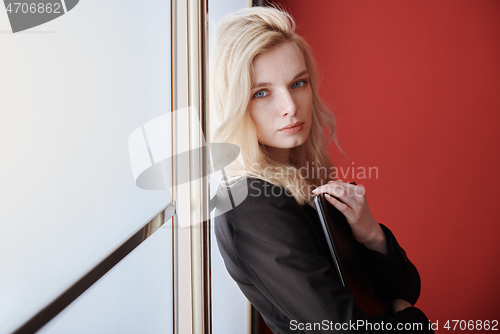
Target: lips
(293, 128)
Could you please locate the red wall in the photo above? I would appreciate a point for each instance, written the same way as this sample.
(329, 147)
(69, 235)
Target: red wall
(415, 86)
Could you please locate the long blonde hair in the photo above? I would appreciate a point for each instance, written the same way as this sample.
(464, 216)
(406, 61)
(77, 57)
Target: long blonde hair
(240, 37)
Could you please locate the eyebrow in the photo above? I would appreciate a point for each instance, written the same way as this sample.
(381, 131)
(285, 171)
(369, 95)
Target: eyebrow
(263, 84)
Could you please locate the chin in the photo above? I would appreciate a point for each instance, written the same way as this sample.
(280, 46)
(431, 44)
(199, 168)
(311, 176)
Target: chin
(297, 142)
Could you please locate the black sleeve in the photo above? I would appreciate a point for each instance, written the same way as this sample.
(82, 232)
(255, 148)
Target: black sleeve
(275, 249)
(395, 272)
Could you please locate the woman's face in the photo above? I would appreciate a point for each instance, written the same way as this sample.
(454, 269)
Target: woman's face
(281, 100)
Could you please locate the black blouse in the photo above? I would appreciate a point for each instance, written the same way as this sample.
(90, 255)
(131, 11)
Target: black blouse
(276, 252)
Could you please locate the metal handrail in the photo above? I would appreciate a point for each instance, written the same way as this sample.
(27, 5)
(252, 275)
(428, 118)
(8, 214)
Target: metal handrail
(79, 287)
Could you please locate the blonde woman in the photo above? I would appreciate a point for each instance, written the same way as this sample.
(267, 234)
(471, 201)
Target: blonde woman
(265, 95)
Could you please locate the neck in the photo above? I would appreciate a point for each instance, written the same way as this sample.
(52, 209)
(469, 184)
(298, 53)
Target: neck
(282, 155)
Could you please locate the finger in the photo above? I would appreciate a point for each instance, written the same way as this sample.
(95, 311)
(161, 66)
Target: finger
(354, 190)
(340, 181)
(359, 191)
(344, 194)
(351, 189)
(333, 188)
(340, 192)
(342, 207)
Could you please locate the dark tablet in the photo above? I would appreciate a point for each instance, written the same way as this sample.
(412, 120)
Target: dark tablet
(350, 260)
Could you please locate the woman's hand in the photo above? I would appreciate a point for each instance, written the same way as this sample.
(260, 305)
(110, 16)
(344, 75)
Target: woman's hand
(399, 305)
(355, 208)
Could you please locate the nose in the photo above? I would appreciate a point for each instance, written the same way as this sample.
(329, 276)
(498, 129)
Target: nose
(288, 104)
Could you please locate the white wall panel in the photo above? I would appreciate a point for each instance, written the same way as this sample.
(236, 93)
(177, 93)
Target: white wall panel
(229, 306)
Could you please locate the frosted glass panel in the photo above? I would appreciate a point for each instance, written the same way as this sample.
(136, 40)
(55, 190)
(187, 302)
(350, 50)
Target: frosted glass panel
(72, 91)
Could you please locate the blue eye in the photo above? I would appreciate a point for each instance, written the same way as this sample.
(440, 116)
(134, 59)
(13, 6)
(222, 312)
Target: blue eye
(299, 84)
(260, 94)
